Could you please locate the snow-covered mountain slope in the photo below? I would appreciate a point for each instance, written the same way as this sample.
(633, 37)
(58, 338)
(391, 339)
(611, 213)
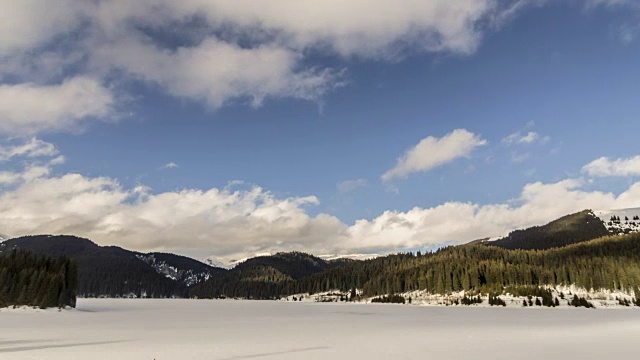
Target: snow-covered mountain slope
(620, 221)
(330, 257)
(215, 263)
(188, 271)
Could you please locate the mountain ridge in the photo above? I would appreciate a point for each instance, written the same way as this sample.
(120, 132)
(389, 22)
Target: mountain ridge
(117, 272)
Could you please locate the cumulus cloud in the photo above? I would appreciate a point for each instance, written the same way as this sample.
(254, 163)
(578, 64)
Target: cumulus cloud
(214, 221)
(26, 24)
(216, 72)
(214, 51)
(604, 166)
(233, 223)
(459, 222)
(359, 27)
(431, 152)
(29, 108)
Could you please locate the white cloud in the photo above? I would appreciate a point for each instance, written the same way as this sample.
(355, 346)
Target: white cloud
(431, 152)
(232, 224)
(604, 166)
(32, 148)
(217, 72)
(30, 174)
(348, 186)
(459, 222)
(29, 108)
(358, 27)
(528, 138)
(169, 165)
(8, 178)
(220, 51)
(26, 24)
(214, 221)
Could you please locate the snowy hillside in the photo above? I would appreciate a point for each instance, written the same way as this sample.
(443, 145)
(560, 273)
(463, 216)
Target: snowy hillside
(329, 257)
(620, 221)
(188, 277)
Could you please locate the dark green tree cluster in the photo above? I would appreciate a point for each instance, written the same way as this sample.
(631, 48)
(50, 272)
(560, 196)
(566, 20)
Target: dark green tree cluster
(390, 299)
(495, 300)
(580, 302)
(624, 302)
(31, 280)
(470, 300)
(545, 295)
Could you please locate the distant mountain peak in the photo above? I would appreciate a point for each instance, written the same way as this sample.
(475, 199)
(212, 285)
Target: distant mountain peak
(569, 229)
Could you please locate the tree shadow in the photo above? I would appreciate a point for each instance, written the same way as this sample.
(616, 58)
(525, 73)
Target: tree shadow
(49, 346)
(14, 342)
(253, 356)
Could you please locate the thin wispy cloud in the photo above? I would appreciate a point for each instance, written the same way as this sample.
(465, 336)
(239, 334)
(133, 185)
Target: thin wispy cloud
(348, 186)
(30, 149)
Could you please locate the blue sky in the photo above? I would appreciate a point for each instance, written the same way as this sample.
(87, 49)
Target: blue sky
(525, 110)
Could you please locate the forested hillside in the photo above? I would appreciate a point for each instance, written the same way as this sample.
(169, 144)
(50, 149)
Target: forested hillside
(262, 277)
(569, 229)
(27, 279)
(611, 262)
(115, 272)
(562, 252)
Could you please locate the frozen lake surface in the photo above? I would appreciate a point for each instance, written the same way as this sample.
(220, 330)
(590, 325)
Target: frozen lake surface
(217, 330)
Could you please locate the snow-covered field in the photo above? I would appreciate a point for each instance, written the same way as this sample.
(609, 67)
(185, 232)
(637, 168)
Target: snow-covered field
(226, 329)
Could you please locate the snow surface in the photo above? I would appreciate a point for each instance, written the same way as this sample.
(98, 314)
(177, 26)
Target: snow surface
(602, 298)
(227, 329)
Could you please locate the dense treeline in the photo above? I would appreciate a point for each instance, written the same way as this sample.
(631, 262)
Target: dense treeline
(118, 276)
(266, 277)
(27, 279)
(611, 262)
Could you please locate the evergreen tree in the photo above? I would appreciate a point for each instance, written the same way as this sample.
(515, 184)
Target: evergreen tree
(40, 281)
